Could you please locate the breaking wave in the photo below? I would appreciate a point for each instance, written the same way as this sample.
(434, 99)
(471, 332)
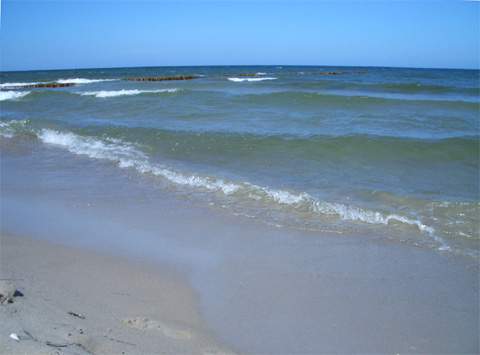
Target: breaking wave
(238, 80)
(16, 85)
(128, 155)
(114, 93)
(59, 81)
(309, 98)
(12, 95)
(82, 81)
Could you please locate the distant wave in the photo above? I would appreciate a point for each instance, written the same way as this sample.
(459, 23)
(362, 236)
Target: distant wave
(352, 99)
(382, 87)
(238, 80)
(16, 85)
(12, 95)
(115, 93)
(361, 147)
(417, 87)
(60, 81)
(82, 81)
(127, 155)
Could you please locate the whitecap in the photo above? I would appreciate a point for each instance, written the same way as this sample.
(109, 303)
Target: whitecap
(238, 80)
(12, 95)
(114, 93)
(82, 81)
(16, 85)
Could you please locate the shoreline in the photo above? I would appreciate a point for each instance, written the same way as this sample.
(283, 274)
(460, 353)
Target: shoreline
(235, 280)
(128, 307)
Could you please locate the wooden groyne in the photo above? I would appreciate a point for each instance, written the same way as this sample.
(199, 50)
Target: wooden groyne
(163, 78)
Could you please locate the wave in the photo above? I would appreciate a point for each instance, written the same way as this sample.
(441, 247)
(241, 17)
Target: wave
(82, 81)
(400, 88)
(350, 213)
(115, 93)
(10, 128)
(60, 81)
(423, 88)
(198, 145)
(349, 100)
(238, 80)
(12, 95)
(16, 85)
(128, 155)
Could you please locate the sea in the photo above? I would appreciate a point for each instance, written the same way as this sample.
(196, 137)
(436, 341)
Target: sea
(389, 152)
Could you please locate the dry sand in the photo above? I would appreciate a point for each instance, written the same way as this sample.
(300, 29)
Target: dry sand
(117, 307)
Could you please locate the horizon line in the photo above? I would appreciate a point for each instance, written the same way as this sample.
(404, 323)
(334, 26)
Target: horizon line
(241, 65)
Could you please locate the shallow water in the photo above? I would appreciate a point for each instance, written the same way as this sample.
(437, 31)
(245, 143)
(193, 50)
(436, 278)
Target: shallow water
(377, 150)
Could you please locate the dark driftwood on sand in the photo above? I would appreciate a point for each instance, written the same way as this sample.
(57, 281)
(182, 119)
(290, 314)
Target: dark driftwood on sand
(163, 78)
(78, 315)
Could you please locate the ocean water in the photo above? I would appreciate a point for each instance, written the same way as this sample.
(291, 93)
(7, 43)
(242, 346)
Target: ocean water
(383, 151)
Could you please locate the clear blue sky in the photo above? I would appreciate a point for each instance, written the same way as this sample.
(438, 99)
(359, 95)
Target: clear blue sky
(70, 34)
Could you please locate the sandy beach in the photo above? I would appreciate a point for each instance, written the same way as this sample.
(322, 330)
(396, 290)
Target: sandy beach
(79, 302)
(363, 298)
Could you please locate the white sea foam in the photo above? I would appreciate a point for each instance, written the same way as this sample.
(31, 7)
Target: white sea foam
(345, 212)
(12, 95)
(238, 80)
(282, 196)
(261, 73)
(5, 130)
(60, 81)
(8, 129)
(91, 147)
(16, 85)
(128, 156)
(114, 93)
(358, 214)
(348, 213)
(82, 81)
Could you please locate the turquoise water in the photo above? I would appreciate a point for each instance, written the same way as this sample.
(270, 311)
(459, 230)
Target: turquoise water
(378, 150)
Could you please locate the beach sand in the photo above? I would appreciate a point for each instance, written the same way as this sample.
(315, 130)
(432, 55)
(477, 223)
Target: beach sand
(365, 299)
(117, 307)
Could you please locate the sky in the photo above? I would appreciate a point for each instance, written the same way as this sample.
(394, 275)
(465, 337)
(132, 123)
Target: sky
(98, 34)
